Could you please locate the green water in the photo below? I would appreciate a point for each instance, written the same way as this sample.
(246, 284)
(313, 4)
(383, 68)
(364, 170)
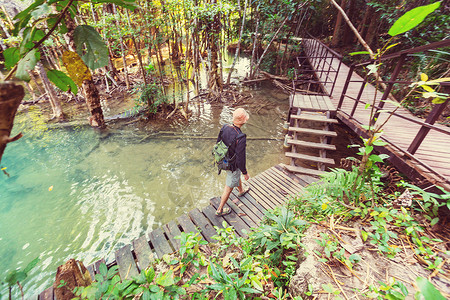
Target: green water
(76, 193)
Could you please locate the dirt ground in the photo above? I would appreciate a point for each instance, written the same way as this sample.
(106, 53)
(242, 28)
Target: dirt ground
(373, 267)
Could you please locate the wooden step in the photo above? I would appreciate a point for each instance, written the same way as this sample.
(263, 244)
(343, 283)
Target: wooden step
(324, 160)
(322, 119)
(311, 144)
(313, 131)
(295, 169)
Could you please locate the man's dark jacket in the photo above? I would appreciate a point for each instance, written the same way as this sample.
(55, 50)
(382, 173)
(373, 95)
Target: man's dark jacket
(227, 134)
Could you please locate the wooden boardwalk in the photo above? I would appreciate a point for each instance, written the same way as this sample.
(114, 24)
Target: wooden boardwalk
(268, 190)
(432, 159)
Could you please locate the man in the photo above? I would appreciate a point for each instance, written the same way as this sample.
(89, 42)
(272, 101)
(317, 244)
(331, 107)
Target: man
(228, 134)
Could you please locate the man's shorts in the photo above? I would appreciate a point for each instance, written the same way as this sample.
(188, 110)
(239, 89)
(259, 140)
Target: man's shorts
(233, 178)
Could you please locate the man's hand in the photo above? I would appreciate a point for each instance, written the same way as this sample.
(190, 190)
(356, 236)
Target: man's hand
(246, 177)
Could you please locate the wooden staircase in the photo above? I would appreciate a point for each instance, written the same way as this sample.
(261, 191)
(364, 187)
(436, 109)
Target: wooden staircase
(310, 130)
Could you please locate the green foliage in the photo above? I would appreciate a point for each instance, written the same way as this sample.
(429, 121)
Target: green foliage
(16, 277)
(412, 18)
(190, 251)
(230, 285)
(62, 81)
(282, 232)
(27, 63)
(151, 97)
(12, 57)
(90, 47)
(427, 290)
(333, 250)
(393, 290)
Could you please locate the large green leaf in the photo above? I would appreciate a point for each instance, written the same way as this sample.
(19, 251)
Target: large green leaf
(12, 56)
(129, 4)
(24, 16)
(62, 81)
(41, 10)
(428, 291)
(412, 18)
(26, 64)
(90, 46)
(166, 279)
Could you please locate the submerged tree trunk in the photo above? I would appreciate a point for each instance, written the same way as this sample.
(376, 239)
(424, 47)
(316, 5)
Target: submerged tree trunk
(54, 101)
(11, 95)
(215, 83)
(89, 89)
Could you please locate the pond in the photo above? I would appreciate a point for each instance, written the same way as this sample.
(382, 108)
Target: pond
(73, 192)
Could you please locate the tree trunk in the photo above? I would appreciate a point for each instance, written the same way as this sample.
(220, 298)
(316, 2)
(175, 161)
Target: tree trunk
(270, 43)
(239, 42)
(348, 37)
(255, 42)
(54, 101)
(89, 89)
(214, 81)
(337, 27)
(11, 95)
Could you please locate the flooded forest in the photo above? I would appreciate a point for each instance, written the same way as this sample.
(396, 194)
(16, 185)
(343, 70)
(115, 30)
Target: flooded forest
(109, 110)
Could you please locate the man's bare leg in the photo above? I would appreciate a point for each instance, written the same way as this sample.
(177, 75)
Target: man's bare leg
(225, 195)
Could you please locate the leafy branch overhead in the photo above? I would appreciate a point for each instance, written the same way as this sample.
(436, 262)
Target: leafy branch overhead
(37, 23)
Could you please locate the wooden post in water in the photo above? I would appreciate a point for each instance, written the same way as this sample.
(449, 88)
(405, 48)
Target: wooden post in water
(11, 95)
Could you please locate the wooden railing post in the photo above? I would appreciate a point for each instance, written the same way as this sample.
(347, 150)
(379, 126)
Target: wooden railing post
(386, 93)
(347, 82)
(423, 131)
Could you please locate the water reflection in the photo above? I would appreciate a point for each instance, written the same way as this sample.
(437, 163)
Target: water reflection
(110, 189)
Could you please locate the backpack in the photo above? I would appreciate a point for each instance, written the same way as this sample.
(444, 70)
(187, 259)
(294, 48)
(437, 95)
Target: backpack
(221, 157)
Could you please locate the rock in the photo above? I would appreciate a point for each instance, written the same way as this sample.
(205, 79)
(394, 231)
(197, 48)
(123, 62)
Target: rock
(74, 274)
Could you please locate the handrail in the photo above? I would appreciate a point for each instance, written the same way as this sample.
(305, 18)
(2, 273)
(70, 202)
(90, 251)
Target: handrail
(440, 44)
(326, 47)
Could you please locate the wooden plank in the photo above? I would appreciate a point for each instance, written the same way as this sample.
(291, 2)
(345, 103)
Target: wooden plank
(313, 131)
(255, 199)
(282, 173)
(270, 190)
(205, 226)
(186, 224)
(144, 254)
(311, 144)
(286, 179)
(284, 187)
(314, 102)
(210, 213)
(160, 242)
(97, 265)
(296, 169)
(240, 212)
(233, 219)
(306, 102)
(300, 180)
(251, 204)
(47, 294)
(318, 118)
(260, 197)
(298, 98)
(324, 160)
(322, 104)
(173, 231)
(126, 263)
(250, 212)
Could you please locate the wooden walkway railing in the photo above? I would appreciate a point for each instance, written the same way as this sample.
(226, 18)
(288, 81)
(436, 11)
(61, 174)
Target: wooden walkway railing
(420, 154)
(268, 190)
